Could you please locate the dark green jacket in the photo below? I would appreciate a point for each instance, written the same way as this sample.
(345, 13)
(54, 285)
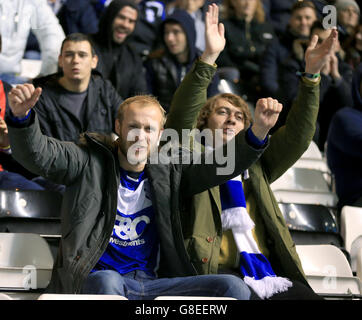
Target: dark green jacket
(202, 217)
(90, 171)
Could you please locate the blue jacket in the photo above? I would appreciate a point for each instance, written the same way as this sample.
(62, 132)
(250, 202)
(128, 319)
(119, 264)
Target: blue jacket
(344, 147)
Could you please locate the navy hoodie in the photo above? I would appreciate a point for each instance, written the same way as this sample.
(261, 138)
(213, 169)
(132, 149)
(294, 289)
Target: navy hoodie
(156, 80)
(344, 147)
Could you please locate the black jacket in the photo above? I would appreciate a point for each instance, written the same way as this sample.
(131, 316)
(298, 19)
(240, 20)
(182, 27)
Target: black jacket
(245, 45)
(57, 119)
(119, 63)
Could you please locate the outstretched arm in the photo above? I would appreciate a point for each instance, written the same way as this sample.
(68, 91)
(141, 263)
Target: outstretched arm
(290, 141)
(191, 95)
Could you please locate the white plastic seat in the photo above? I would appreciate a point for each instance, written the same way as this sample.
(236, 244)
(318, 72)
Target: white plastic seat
(50, 296)
(327, 270)
(312, 152)
(351, 231)
(26, 261)
(192, 298)
(312, 158)
(359, 264)
(301, 185)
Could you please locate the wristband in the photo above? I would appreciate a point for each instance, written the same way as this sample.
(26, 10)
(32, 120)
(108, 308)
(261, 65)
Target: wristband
(308, 75)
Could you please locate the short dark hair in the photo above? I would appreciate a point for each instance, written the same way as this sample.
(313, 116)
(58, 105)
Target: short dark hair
(78, 37)
(303, 4)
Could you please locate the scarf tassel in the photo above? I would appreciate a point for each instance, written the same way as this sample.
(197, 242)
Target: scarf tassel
(268, 286)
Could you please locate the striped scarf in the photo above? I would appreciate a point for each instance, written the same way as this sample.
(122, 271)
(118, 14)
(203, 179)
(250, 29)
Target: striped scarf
(254, 266)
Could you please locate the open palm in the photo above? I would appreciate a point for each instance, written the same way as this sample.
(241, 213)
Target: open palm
(214, 35)
(317, 57)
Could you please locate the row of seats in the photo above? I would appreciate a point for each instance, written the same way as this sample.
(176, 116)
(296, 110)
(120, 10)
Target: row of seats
(328, 242)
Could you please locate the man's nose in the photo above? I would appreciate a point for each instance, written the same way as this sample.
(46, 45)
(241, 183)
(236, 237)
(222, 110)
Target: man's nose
(231, 119)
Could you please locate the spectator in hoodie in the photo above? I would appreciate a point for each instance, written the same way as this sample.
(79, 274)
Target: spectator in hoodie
(344, 147)
(167, 67)
(247, 35)
(303, 14)
(118, 61)
(18, 18)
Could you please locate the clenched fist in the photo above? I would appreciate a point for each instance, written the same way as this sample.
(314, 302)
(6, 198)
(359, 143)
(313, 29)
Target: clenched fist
(22, 98)
(266, 114)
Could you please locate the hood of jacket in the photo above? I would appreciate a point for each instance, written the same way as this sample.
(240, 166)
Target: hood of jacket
(105, 34)
(188, 25)
(356, 83)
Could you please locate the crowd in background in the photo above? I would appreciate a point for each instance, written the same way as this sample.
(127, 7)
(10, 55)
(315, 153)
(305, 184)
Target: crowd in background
(149, 46)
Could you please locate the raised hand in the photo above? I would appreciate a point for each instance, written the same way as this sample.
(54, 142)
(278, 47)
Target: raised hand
(266, 114)
(214, 35)
(22, 98)
(317, 57)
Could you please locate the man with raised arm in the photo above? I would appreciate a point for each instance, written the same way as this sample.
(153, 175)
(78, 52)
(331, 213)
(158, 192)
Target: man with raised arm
(237, 227)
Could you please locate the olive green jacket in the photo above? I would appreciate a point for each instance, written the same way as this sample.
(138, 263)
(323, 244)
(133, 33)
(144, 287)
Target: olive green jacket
(202, 214)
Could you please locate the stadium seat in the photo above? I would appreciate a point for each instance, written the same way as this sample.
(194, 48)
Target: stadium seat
(301, 185)
(359, 264)
(48, 296)
(192, 298)
(328, 271)
(25, 261)
(32, 211)
(351, 231)
(311, 224)
(313, 159)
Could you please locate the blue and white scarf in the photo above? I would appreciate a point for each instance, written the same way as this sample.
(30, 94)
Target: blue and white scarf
(254, 266)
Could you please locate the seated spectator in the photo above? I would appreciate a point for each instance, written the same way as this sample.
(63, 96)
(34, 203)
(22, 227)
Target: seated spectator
(118, 61)
(167, 67)
(353, 48)
(348, 13)
(303, 14)
(18, 18)
(336, 78)
(225, 229)
(247, 35)
(77, 99)
(344, 147)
